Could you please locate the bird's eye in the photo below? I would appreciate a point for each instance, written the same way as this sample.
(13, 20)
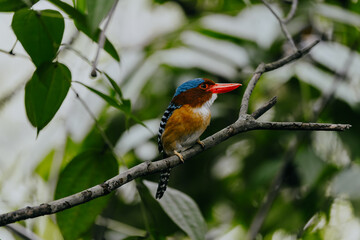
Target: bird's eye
(203, 86)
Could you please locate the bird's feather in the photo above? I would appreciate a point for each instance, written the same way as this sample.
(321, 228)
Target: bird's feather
(167, 114)
(184, 128)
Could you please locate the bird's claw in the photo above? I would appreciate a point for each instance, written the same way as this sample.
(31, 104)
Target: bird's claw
(201, 143)
(179, 155)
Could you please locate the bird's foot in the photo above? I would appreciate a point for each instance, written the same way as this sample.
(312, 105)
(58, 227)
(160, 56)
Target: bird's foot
(201, 143)
(179, 155)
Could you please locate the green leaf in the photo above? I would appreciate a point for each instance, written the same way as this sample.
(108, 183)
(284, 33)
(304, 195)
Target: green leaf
(97, 11)
(112, 101)
(72, 148)
(115, 86)
(309, 166)
(85, 170)
(182, 210)
(125, 106)
(44, 167)
(74, 13)
(125, 102)
(45, 92)
(14, 5)
(80, 5)
(108, 46)
(81, 23)
(40, 33)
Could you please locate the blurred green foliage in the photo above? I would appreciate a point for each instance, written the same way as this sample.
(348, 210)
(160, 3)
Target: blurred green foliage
(229, 182)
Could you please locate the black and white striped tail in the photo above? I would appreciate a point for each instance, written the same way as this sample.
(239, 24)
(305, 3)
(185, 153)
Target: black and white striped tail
(163, 182)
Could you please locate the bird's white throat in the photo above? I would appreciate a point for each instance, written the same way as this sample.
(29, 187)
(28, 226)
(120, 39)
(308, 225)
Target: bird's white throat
(210, 101)
(204, 110)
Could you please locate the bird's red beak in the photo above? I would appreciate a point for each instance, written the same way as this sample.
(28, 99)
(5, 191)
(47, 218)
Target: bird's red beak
(223, 87)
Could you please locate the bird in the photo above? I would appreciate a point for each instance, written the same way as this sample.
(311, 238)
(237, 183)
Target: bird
(185, 119)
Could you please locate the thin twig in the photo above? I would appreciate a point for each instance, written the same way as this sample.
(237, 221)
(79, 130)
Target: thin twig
(320, 104)
(22, 232)
(277, 64)
(11, 94)
(272, 193)
(79, 54)
(11, 52)
(269, 67)
(99, 128)
(14, 54)
(88, 110)
(282, 25)
(256, 114)
(102, 39)
(6, 52)
(250, 87)
(292, 11)
(69, 46)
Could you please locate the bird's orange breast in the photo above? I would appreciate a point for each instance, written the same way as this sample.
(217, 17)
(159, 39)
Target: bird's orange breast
(184, 128)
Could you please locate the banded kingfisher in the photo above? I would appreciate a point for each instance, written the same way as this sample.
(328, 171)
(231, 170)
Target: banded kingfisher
(185, 119)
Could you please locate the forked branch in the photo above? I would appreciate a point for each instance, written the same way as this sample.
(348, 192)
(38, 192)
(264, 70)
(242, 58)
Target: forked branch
(245, 123)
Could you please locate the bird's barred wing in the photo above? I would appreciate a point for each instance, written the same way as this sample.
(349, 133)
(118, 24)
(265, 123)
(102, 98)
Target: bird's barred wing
(167, 114)
(165, 175)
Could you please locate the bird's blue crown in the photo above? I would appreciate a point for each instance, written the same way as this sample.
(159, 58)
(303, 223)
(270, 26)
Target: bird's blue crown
(188, 85)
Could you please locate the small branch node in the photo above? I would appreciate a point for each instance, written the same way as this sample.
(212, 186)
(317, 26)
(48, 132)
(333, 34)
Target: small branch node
(93, 73)
(260, 69)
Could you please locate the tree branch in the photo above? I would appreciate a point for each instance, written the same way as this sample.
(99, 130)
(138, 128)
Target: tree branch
(302, 126)
(22, 232)
(275, 187)
(277, 64)
(245, 123)
(283, 22)
(292, 11)
(148, 168)
(269, 67)
(259, 112)
(250, 87)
